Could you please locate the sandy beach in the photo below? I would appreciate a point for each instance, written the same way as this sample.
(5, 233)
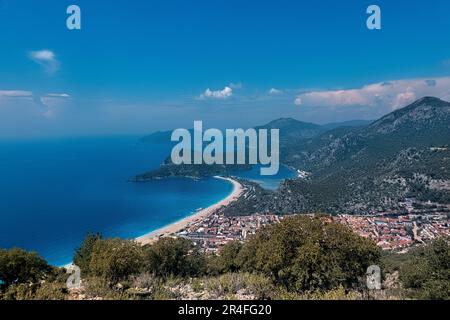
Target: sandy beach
(201, 214)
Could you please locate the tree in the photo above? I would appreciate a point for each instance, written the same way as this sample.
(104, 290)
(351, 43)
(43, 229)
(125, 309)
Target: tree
(174, 257)
(228, 256)
(226, 261)
(83, 254)
(18, 266)
(307, 254)
(427, 272)
(115, 259)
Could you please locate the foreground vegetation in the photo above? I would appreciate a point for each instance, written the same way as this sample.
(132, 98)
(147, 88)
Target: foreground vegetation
(301, 258)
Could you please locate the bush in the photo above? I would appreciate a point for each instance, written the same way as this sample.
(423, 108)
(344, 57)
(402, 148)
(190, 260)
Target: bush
(259, 285)
(307, 254)
(20, 291)
(174, 257)
(338, 293)
(99, 288)
(115, 259)
(41, 291)
(251, 286)
(51, 291)
(18, 266)
(426, 275)
(227, 260)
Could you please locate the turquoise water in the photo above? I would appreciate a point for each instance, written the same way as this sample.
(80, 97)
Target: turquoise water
(268, 182)
(52, 192)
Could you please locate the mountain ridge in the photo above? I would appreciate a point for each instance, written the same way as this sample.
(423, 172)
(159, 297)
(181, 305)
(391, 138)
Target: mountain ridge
(356, 170)
(372, 169)
(163, 136)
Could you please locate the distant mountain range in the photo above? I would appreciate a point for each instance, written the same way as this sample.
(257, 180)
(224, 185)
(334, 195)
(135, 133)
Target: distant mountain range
(357, 167)
(289, 128)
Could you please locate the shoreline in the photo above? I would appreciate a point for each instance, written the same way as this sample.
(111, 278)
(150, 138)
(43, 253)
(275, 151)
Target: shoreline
(177, 226)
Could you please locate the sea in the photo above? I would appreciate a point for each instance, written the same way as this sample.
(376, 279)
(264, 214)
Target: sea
(54, 191)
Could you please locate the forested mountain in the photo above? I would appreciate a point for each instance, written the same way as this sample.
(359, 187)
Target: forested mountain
(356, 169)
(292, 132)
(373, 168)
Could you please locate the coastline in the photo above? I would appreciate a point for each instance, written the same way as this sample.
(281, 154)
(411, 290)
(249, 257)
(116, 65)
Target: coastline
(175, 227)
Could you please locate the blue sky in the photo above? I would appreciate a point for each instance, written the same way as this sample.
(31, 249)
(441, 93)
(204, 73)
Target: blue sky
(140, 66)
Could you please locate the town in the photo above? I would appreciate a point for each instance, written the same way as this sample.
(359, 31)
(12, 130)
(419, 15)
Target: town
(399, 232)
(215, 231)
(389, 231)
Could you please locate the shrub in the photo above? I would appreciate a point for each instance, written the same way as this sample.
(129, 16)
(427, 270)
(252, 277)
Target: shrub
(227, 260)
(20, 291)
(18, 266)
(51, 291)
(308, 254)
(115, 259)
(99, 288)
(174, 257)
(426, 275)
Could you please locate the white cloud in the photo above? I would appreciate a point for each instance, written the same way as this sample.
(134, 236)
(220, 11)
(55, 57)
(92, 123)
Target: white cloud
(395, 94)
(43, 55)
(15, 94)
(226, 93)
(46, 105)
(274, 92)
(58, 95)
(47, 59)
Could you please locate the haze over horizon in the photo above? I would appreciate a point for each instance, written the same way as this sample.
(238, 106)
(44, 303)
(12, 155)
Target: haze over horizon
(158, 66)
